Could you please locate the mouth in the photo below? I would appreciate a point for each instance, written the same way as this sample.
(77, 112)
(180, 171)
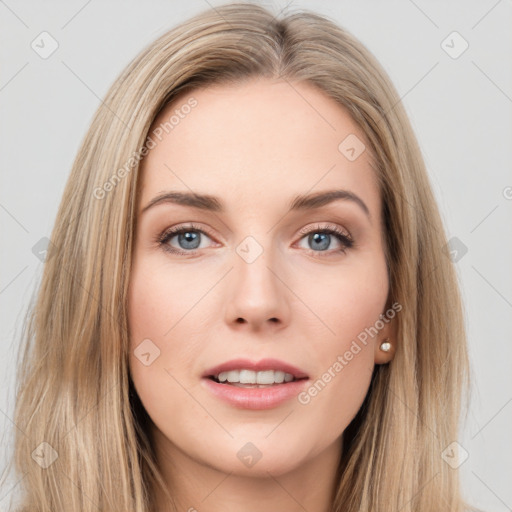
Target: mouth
(246, 384)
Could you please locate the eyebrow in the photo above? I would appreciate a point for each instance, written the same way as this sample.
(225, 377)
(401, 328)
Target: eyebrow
(299, 203)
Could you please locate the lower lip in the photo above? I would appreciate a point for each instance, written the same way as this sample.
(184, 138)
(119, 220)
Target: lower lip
(255, 398)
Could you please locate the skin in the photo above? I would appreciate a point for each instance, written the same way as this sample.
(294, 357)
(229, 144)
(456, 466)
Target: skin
(255, 146)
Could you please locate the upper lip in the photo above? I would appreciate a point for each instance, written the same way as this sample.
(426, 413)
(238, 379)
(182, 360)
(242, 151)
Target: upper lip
(262, 365)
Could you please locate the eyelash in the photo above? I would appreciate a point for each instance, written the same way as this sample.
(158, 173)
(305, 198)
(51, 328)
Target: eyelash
(346, 241)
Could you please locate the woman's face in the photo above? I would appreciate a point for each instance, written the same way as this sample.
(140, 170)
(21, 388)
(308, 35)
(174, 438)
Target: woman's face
(254, 276)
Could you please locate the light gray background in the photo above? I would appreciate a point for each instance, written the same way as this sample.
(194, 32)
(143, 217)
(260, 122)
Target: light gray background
(460, 109)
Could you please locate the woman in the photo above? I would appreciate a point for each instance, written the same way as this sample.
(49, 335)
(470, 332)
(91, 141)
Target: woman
(247, 304)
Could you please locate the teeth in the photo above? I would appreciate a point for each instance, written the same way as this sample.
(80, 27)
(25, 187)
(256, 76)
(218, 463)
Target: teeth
(252, 377)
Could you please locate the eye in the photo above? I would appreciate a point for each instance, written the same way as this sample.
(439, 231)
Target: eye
(320, 239)
(188, 238)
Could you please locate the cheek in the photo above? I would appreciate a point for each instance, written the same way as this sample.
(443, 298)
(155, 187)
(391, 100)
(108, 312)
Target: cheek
(345, 300)
(160, 296)
(357, 303)
(165, 307)
(164, 317)
(350, 306)
(151, 300)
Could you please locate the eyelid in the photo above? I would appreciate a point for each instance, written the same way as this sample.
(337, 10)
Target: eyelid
(173, 230)
(328, 226)
(303, 231)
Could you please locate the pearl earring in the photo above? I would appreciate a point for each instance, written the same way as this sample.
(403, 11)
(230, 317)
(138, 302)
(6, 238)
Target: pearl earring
(385, 346)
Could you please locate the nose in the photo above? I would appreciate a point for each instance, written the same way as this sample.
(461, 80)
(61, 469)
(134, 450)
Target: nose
(258, 298)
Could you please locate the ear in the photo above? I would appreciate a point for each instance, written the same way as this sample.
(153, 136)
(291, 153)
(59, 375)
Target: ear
(387, 334)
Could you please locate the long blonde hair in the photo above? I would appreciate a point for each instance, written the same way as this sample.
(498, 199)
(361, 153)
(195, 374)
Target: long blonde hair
(74, 389)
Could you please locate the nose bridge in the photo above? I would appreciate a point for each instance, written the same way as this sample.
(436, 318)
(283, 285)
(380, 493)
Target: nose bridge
(256, 293)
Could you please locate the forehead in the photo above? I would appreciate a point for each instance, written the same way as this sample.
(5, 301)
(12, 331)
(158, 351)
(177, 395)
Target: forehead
(257, 141)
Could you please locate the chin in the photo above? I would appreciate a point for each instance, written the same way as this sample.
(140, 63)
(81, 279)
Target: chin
(258, 457)
(275, 464)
